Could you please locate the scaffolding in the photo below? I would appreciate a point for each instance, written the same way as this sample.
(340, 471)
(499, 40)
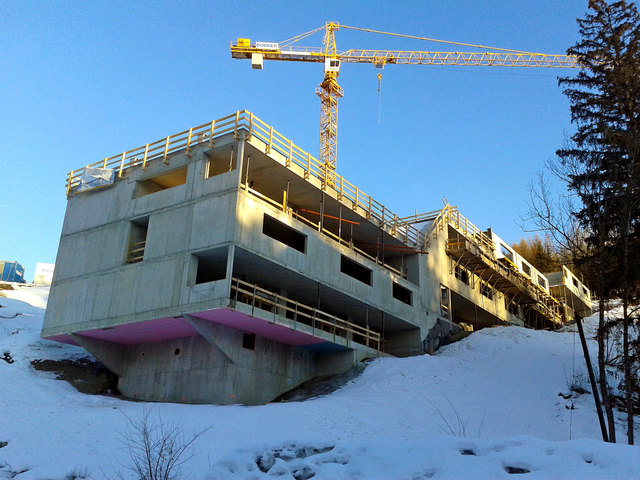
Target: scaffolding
(475, 251)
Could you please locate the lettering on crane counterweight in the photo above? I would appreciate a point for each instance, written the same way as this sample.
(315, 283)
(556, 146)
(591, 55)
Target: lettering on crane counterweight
(267, 45)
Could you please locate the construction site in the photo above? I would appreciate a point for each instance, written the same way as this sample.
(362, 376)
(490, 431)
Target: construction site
(226, 264)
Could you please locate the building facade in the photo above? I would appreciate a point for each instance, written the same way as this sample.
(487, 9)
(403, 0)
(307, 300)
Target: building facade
(224, 264)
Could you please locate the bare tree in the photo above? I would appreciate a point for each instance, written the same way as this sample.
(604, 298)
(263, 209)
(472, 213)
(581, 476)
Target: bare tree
(554, 214)
(157, 450)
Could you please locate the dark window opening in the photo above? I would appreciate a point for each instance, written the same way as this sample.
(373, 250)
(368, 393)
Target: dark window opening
(575, 282)
(526, 268)
(401, 293)
(585, 292)
(542, 282)
(176, 351)
(462, 274)
(355, 270)
(161, 182)
(284, 234)
(137, 240)
(249, 341)
(211, 265)
(486, 290)
(512, 307)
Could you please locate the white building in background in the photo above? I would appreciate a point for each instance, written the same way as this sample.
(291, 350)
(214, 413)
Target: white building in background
(44, 273)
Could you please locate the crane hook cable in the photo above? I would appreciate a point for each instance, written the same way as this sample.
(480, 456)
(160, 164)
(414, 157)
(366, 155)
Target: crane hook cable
(379, 95)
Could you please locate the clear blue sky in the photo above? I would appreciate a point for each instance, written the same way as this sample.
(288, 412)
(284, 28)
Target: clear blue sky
(81, 81)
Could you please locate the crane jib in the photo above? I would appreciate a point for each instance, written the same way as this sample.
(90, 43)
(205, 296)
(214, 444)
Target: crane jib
(329, 91)
(414, 57)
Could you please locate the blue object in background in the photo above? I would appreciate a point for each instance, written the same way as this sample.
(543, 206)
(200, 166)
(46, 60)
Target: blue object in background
(11, 272)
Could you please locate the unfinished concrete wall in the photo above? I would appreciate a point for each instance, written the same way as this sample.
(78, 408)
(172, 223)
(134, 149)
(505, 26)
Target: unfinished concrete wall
(466, 299)
(321, 261)
(161, 245)
(94, 286)
(198, 370)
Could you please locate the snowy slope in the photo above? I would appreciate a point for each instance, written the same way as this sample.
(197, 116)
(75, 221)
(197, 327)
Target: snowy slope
(481, 408)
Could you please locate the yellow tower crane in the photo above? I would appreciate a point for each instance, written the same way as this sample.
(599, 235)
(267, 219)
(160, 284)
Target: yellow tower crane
(329, 91)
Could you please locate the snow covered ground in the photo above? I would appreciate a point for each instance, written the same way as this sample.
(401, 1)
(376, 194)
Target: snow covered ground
(487, 407)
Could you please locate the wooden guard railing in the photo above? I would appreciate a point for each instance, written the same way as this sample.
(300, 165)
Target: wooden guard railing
(300, 314)
(136, 252)
(452, 216)
(246, 122)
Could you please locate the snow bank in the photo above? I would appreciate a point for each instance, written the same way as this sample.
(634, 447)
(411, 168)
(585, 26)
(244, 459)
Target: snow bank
(486, 407)
(444, 457)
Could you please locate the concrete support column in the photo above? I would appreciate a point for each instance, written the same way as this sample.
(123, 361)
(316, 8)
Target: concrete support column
(230, 259)
(209, 331)
(240, 161)
(112, 355)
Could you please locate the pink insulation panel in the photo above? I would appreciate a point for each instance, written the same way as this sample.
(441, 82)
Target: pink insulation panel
(161, 329)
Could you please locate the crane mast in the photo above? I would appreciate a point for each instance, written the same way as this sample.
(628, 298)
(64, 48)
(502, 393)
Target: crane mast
(330, 92)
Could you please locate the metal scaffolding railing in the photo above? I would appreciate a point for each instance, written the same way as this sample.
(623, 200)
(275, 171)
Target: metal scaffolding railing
(244, 122)
(469, 242)
(294, 314)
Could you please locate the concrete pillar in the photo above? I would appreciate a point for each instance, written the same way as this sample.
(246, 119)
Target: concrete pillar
(209, 331)
(112, 355)
(240, 161)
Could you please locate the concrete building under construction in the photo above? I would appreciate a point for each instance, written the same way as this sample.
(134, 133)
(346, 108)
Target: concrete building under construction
(224, 264)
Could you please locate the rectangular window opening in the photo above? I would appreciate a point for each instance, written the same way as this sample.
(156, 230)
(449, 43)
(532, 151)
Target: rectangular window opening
(445, 309)
(401, 293)
(542, 282)
(462, 274)
(506, 251)
(220, 162)
(211, 265)
(355, 270)
(512, 307)
(249, 341)
(161, 182)
(526, 268)
(486, 290)
(284, 234)
(137, 240)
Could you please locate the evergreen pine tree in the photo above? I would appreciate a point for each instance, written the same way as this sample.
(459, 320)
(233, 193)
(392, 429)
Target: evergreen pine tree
(605, 159)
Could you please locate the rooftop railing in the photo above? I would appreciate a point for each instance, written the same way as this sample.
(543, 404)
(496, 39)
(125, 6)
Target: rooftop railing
(246, 122)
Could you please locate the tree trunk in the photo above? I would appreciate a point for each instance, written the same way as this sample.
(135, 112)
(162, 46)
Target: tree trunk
(592, 378)
(604, 387)
(628, 382)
